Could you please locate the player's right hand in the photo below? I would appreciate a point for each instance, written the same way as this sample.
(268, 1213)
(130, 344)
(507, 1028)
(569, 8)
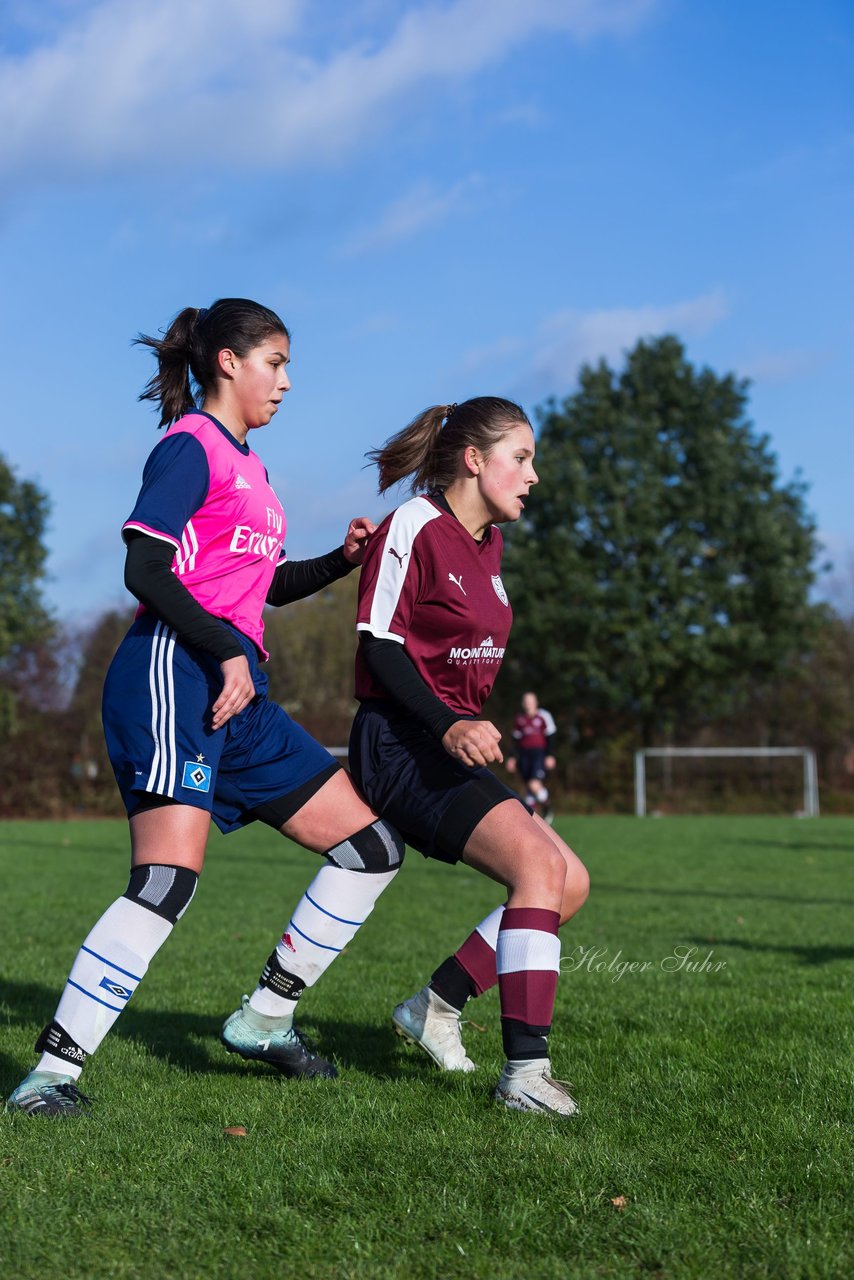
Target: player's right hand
(473, 742)
(511, 764)
(237, 691)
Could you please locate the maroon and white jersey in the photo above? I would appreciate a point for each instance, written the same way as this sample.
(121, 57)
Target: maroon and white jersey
(427, 584)
(533, 732)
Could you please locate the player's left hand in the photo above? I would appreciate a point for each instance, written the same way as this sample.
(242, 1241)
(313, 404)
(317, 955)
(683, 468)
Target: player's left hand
(550, 762)
(356, 541)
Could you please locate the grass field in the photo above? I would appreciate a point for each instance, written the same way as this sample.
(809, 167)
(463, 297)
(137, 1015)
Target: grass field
(714, 1138)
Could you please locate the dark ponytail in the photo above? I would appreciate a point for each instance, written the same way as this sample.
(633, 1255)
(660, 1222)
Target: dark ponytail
(428, 450)
(187, 352)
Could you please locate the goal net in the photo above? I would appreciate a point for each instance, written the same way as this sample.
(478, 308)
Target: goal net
(755, 779)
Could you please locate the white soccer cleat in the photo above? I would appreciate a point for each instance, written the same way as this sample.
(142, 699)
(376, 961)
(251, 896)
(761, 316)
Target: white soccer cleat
(527, 1086)
(428, 1021)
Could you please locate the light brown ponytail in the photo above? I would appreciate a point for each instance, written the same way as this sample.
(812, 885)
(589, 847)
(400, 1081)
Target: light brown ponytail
(429, 448)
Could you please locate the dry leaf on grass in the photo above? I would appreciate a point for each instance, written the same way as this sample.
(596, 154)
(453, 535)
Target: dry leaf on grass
(619, 1202)
(235, 1131)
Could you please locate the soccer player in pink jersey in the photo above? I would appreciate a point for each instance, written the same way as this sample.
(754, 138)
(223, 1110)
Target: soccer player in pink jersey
(190, 731)
(433, 622)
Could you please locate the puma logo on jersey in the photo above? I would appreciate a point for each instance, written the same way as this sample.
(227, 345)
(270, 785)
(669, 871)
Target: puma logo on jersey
(397, 556)
(458, 582)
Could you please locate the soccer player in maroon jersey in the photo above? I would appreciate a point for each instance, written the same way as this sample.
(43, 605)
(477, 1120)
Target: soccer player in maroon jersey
(191, 733)
(533, 735)
(433, 622)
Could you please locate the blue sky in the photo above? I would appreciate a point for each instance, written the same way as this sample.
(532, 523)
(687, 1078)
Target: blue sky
(441, 198)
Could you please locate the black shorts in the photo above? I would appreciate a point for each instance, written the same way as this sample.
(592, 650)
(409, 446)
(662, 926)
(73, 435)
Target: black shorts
(532, 763)
(407, 776)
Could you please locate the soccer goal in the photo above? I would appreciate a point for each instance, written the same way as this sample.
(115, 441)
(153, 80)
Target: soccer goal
(807, 755)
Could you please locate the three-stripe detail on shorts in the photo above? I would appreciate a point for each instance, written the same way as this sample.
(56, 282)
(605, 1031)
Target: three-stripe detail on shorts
(161, 683)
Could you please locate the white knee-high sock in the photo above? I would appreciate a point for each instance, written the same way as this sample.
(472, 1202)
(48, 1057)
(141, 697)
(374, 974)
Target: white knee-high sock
(328, 916)
(108, 969)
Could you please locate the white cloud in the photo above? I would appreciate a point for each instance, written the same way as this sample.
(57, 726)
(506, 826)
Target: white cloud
(570, 338)
(776, 367)
(161, 87)
(424, 206)
(526, 115)
(547, 363)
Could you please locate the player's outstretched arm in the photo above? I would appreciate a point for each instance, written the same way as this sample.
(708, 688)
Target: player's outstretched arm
(356, 540)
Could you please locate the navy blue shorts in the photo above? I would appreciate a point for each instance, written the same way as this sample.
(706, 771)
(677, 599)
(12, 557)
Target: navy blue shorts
(532, 763)
(157, 703)
(407, 776)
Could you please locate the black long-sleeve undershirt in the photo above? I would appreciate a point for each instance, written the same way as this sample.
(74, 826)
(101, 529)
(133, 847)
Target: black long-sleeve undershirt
(296, 579)
(392, 667)
(149, 577)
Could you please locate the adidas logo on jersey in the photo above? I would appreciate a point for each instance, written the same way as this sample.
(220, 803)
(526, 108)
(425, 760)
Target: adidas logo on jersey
(240, 483)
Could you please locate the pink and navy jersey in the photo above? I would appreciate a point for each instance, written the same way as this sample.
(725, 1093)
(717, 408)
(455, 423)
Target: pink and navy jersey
(210, 497)
(533, 732)
(427, 584)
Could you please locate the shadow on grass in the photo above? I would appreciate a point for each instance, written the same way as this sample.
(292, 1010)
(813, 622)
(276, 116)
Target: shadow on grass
(817, 955)
(191, 1040)
(801, 846)
(601, 886)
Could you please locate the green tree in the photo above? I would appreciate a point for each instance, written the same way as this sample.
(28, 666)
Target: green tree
(24, 620)
(810, 703)
(312, 646)
(661, 567)
(23, 516)
(87, 763)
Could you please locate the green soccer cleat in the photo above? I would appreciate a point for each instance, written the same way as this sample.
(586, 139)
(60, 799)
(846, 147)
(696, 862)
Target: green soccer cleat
(47, 1093)
(263, 1039)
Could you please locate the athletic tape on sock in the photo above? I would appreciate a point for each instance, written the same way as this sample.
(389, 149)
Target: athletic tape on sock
(378, 847)
(163, 889)
(278, 980)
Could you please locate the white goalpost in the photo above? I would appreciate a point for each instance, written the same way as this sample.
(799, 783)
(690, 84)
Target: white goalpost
(810, 809)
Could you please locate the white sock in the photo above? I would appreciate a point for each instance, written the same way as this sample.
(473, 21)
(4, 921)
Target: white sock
(328, 916)
(108, 969)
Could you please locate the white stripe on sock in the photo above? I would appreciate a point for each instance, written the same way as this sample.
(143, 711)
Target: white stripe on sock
(520, 949)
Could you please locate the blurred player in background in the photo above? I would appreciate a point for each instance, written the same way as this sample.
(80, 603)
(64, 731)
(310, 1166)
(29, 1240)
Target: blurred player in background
(190, 731)
(433, 621)
(533, 738)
